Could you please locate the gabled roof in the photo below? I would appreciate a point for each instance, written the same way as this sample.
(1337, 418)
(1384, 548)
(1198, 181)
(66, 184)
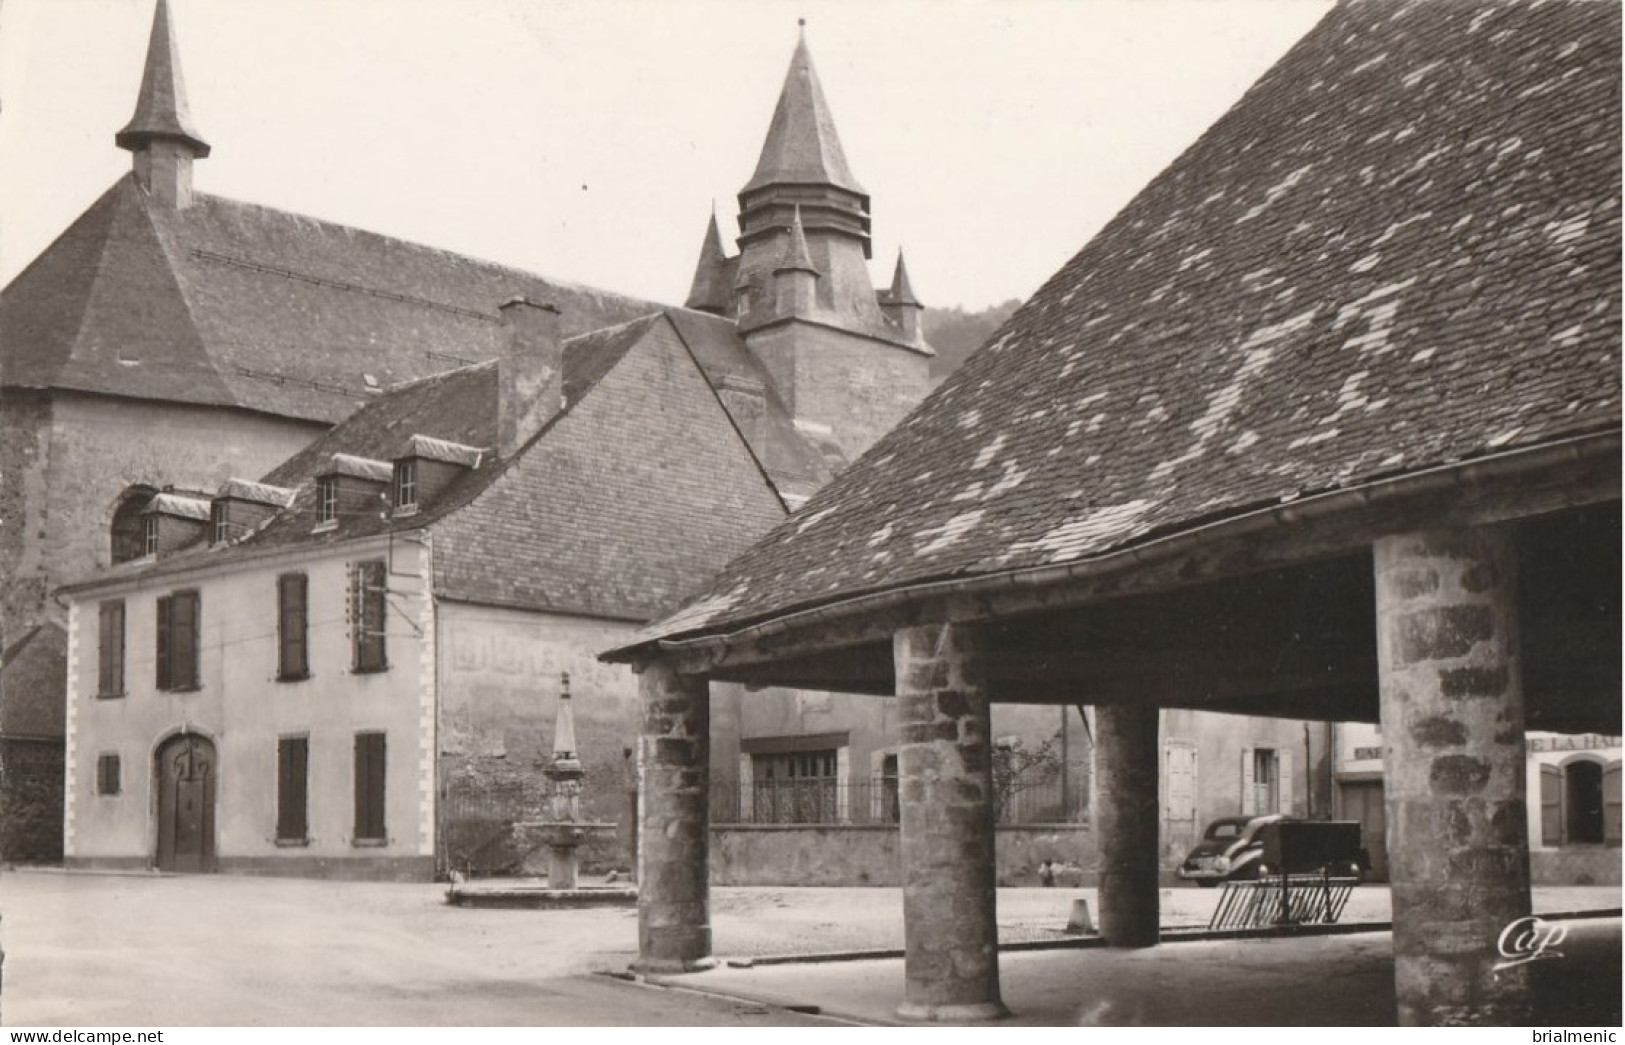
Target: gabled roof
(1398, 251)
(232, 304)
(33, 676)
(756, 461)
(802, 147)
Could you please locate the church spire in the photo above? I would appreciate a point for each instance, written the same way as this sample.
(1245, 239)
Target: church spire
(901, 292)
(901, 307)
(802, 147)
(160, 134)
(712, 286)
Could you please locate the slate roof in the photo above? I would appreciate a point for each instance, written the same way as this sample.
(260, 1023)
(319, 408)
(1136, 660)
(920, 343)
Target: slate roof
(160, 108)
(801, 147)
(458, 408)
(1400, 249)
(33, 676)
(233, 304)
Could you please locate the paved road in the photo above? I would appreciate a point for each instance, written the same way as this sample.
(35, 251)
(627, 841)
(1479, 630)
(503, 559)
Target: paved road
(94, 950)
(100, 950)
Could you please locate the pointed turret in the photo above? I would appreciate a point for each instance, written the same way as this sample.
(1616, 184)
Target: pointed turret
(795, 277)
(713, 284)
(802, 166)
(796, 256)
(900, 305)
(160, 134)
(802, 147)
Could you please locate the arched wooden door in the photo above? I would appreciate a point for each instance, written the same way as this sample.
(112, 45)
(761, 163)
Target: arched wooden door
(186, 771)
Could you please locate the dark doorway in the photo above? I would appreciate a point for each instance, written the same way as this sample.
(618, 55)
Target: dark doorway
(1363, 801)
(186, 771)
(1582, 803)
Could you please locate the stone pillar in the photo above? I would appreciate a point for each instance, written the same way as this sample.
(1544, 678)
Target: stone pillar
(674, 907)
(1129, 824)
(1453, 771)
(946, 805)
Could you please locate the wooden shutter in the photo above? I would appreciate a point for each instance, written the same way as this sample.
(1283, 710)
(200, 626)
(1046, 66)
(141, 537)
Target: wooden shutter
(293, 660)
(1610, 803)
(107, 775)
(367, 616)
(1248, 806)
(184, 639)
(1283, 781)
(1551, 805)
(369, 786)
(110, 662)
(293, 758)
(165, 642)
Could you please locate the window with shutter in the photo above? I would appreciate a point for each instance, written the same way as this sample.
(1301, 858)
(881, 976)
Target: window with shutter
(1583, 816)
(107, 775)
(177, 641)
(369, 787)
(293, 660)
(368, 616)
(164, 641)
(1551, 805)
(293, 756)
(110, 649)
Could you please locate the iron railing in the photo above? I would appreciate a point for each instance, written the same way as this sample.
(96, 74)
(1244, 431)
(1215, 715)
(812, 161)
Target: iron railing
(827, 800)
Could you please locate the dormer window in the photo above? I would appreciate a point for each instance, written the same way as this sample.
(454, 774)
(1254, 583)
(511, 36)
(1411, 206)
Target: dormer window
(129, 539)
(219, 530)
(327, 499)
(406, 484)
(149, 535)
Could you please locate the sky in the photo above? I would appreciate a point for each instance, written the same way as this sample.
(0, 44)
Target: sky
(588, 141)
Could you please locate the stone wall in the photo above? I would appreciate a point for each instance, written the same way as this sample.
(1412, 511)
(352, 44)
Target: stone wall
(858, 387)
(808, 854)
(31, 801)
(65, 460)
(1575, 865)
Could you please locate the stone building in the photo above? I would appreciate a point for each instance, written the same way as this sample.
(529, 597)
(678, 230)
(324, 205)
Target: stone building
(1324, 424)
(169, 340)
(1572, 802)
(351, 668)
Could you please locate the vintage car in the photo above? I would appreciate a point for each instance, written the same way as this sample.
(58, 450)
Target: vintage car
(1231, 849)
(1236, 848)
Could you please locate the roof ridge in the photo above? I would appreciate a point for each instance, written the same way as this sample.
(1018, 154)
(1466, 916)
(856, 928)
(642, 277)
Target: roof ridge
(182, 287)
(430, 248)
(614, 327)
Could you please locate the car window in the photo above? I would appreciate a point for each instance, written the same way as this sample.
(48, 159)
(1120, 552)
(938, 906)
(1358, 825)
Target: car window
(1224, 829)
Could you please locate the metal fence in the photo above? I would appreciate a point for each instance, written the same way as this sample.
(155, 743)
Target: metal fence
(827, 800)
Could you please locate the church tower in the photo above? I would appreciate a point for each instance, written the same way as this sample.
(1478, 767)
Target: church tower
(160, 134)
(844, 358)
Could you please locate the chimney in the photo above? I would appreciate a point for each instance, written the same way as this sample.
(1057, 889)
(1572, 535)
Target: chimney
(530, 378)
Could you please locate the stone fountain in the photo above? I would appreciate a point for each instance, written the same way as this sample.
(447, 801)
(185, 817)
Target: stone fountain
(562, 834)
